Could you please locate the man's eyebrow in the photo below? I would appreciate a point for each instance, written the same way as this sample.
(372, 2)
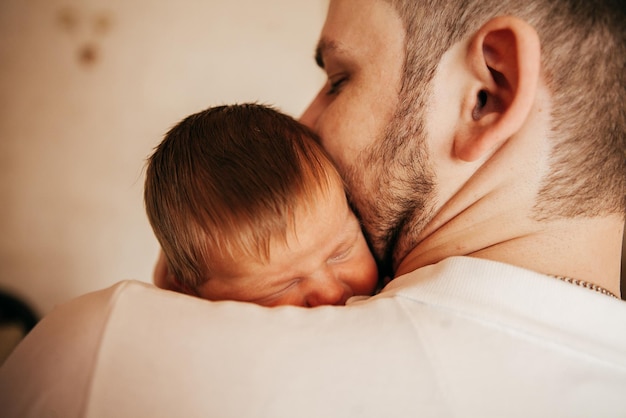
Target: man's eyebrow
(323, 47)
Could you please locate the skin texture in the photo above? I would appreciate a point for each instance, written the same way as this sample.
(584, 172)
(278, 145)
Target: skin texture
(324, 261)
(477, 149)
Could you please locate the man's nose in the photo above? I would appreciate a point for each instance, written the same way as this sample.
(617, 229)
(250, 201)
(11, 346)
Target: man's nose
(326, 289)
(311, 114)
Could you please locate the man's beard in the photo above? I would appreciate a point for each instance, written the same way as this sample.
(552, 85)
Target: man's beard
(392, 187)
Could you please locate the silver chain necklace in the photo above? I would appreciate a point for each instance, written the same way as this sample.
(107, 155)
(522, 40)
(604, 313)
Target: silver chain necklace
(585, 284)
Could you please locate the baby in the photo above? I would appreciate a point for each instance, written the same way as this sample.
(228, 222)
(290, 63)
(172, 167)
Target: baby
(247, 206)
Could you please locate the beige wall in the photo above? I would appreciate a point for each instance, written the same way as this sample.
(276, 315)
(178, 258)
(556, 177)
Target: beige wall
(88, 88)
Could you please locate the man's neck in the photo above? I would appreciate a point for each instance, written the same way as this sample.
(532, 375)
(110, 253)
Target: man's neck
(583, 249)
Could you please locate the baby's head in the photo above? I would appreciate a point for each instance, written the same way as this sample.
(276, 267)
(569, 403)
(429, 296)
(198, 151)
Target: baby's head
(247, 206)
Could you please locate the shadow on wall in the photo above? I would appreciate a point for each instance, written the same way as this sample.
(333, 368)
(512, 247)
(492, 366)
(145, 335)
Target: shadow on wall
(87, 30)
(16, 320)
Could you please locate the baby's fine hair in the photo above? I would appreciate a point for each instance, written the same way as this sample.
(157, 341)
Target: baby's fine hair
(225, 181)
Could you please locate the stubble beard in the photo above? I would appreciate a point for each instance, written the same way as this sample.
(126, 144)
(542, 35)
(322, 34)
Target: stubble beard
(392, 186)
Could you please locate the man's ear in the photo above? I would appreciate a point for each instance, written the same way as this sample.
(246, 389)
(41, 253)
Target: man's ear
(504, 60)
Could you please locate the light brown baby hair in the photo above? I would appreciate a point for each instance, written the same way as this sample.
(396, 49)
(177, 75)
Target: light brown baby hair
(226, 181)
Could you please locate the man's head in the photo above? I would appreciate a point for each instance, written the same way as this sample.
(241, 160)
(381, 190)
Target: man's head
(423, 95)
(246, 205)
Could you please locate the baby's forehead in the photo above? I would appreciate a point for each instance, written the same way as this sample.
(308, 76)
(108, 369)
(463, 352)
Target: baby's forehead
(250, 240)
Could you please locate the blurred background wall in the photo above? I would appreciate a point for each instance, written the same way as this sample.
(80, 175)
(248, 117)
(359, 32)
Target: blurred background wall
(88, 88)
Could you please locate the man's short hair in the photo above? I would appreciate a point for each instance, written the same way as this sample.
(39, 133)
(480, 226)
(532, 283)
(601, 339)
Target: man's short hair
(583, 63)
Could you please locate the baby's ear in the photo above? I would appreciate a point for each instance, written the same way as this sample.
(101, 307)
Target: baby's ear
(173, 283)
(164, 278)
(504, 60)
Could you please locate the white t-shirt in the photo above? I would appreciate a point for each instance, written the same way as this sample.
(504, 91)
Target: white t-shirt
(462, 338)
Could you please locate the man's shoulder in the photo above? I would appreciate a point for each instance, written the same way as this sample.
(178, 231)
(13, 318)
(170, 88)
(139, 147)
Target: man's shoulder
(416, 348)
(507, 300)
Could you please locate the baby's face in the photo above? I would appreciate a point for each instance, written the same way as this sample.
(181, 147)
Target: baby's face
(324, 262)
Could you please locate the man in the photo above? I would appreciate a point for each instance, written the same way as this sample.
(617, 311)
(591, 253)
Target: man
(471, 152)
(483, 147)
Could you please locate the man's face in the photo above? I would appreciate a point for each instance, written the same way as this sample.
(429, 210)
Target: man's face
(361, 49)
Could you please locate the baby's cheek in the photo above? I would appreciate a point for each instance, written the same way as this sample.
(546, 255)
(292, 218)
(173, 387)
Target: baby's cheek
(367, 272)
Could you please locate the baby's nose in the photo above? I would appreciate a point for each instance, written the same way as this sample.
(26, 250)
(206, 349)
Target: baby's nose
(328, 290)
